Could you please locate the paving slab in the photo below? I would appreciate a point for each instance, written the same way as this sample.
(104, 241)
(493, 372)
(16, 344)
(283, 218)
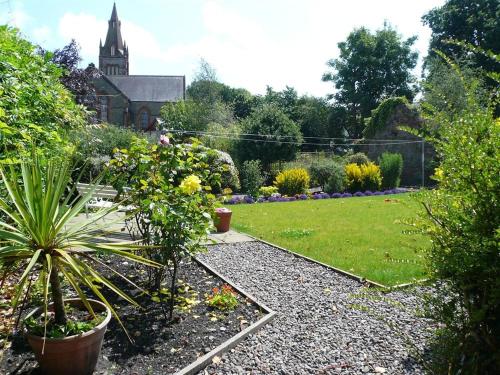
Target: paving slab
(230, 237)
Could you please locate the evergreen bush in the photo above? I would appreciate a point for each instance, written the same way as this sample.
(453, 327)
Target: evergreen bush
(336, 179)
(358, 158)
(252, 177)
(391, 166)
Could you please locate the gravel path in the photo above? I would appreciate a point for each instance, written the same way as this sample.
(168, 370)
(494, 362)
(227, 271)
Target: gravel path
(326, 323)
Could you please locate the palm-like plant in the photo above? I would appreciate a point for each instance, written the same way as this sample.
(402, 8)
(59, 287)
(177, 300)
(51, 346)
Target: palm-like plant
(41, 236)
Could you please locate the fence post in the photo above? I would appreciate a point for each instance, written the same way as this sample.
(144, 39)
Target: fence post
(423, 163)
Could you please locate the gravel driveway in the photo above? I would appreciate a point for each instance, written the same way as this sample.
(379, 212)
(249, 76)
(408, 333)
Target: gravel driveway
(326, 323)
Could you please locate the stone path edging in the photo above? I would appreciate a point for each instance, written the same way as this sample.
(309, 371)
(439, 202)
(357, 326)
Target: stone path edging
(360, 279)
(205, 360)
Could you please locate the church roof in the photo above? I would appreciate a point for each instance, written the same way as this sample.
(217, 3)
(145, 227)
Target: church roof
(150, 88)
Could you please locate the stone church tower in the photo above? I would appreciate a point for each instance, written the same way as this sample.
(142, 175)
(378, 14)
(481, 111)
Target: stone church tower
(113, 56)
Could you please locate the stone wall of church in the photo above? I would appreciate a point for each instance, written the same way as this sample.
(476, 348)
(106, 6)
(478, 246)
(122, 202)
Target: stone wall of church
(117, 103)
(153, 109)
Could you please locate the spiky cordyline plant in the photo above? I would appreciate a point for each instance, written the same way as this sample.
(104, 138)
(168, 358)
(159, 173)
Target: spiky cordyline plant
(41, 236)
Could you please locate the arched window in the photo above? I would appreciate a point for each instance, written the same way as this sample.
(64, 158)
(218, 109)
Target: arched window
(144, 119)
(103, 108)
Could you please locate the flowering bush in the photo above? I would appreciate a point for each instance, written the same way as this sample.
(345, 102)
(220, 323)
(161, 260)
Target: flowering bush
(371, 176)
(170, 190)
(224, 298)
(292, 181)
(353, 177)
(364, 177)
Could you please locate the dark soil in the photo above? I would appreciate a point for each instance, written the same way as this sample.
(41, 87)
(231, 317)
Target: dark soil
(159, 347)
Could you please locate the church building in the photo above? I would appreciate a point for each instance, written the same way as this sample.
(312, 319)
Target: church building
(130, 100)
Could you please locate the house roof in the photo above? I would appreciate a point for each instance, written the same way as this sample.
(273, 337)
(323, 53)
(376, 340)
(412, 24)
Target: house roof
(150, 88)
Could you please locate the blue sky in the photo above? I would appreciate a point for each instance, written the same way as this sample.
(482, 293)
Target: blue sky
(250, 43)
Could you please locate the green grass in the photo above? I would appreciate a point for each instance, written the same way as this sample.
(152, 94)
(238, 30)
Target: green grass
(364, 236)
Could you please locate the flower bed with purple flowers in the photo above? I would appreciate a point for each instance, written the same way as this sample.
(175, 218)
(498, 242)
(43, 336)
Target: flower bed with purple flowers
(278, 198)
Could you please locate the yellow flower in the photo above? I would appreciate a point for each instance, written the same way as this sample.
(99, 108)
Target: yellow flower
(190, 184)
(438, 174)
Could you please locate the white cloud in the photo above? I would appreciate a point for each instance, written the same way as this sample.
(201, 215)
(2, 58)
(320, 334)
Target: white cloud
(42, 34)
(18, 18)
(14, 15)
(86, 29)
(248, 52)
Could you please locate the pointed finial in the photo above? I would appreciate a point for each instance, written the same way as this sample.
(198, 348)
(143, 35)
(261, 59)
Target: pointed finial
(114, 13)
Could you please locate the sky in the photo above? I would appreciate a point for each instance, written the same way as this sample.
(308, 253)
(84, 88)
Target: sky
(250, 43)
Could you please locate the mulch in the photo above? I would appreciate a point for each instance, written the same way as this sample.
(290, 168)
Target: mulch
(159, 347)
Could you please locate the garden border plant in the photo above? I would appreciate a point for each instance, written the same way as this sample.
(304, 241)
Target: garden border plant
(38, 238)
(170, 189)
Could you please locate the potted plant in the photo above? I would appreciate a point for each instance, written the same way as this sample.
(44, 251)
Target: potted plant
(40, 237)
(223, 219)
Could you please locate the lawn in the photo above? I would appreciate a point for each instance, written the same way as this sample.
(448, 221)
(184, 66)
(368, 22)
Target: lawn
(364, 236)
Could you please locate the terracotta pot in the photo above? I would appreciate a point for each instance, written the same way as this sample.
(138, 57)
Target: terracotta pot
(72, 355)
(224, 220)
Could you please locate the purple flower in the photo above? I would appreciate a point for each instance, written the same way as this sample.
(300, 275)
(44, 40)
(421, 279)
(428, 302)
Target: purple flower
(164, 141)
(368, 193)
(325, 195)
(292, 199)
(359, 194)
(378, 193)
(346, 195)
(234, 200)
(272, 199)
(317, 196)
(336, 195)
(248, 199)
(261, 200)
(390, 191)
(303, 196)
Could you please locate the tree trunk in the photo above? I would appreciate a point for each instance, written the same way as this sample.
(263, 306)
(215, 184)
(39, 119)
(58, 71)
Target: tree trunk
(57, 297)
(172, 288)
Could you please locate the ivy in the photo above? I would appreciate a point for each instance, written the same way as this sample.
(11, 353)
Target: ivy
(381, 114)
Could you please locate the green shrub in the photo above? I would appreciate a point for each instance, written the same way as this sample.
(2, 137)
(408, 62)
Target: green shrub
(336, 180)
(35, 108)
(252, 177)
(321, 171)
(95, 146)
(292, 181)
(391, 166)
(267, 191)
(222, 163)
(463, 222)
(358, 158)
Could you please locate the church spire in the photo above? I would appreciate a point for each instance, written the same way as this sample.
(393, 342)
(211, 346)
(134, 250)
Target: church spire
(114, 35)
(113, 56)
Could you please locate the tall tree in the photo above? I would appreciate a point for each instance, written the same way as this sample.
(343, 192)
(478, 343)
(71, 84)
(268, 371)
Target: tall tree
(370, 68)
(77, 80)
(279, 138)
(473, 21)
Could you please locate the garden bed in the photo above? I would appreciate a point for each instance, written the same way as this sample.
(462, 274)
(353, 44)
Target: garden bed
(159, 348)
(246, 199)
